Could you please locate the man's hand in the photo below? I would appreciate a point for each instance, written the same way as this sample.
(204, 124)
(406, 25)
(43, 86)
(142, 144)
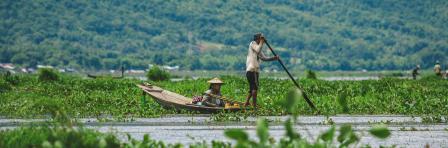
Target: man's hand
(276, 57)
(263, 38)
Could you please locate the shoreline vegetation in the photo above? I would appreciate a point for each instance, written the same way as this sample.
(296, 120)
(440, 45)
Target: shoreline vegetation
(28, 96)
(184, 74)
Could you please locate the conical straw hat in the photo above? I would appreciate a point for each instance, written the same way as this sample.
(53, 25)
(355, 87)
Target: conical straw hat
(215, 81)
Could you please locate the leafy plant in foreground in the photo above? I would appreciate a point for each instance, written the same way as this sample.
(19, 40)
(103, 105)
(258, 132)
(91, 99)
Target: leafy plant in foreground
(380, 131)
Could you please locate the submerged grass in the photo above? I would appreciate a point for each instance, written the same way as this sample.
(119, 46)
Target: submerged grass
(26, 96)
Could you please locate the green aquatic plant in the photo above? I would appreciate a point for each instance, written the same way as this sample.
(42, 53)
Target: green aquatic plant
(230, 116)
(311, 74)
(10, 78)
(120, 98)
(157, 74)
(47, 74)
(4, 86)
(380, 131)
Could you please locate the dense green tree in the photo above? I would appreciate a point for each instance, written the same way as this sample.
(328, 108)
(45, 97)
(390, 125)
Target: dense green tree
(323, 34)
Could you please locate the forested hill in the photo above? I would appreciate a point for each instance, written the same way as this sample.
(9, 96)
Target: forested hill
(308, 34)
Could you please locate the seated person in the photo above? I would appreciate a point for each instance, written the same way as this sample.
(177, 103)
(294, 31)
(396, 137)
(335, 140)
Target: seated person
(212, 95)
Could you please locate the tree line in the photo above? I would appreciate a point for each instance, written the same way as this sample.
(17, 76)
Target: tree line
(214, 35)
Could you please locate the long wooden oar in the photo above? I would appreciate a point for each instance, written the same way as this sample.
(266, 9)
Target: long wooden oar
(292, 78)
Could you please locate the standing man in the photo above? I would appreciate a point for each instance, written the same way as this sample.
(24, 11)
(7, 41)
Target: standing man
(254, 55)
(438, 69)
(415, 72)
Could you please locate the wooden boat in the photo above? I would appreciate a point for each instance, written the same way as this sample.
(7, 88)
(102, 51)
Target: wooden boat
(172, 100)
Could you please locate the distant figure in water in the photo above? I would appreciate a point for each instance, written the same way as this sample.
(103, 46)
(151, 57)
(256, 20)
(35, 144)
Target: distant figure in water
(415, 72)
(438, 69)
(211, 96)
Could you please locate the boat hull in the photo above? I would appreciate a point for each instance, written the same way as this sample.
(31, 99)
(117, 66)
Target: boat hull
(170, 100)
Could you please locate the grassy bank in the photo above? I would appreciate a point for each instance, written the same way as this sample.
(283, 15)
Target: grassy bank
(27, 96)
